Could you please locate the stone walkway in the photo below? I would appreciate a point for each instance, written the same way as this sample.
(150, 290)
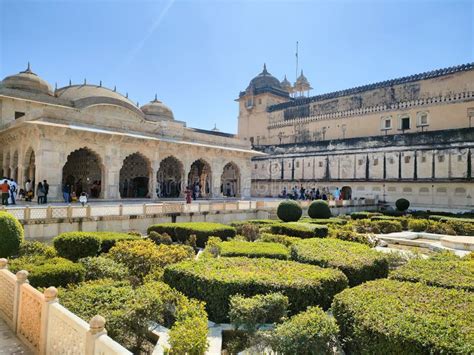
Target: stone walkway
(9, 343)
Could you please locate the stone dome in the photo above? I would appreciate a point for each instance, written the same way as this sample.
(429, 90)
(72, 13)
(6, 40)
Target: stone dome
(286, 85)
(157, 111)
(27, 81)
(264, 80)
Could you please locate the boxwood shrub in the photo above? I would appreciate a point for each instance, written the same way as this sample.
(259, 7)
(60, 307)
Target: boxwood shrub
(103, 268)
(181, 232)
(215, 280)
(319, 209)
(289, 211)
(76, 245)
(357, 261)
(254, 250)
(402, 220)
(309, 332)
(108, 239)
(364, 215)
(418, 225)
(300, 230)
(402, 204)
(327, 221)
(454, 273)
(45, 272)
(392, 317)
(11, 235)
(278, 238)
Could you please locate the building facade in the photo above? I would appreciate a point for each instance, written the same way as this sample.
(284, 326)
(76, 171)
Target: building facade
(409, 137)
(93, 139)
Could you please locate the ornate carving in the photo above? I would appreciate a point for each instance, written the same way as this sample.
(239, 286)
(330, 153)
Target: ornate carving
(29, 319)
(7, 293)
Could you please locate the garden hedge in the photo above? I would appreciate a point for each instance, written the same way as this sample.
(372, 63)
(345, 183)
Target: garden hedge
(364, 215)
(76, 245)
(300, 230)
(457, 274)
(418, 225)
(215, 280)
(289, 211)
(11, 235)
(326, 221)
(357, 261)
(101, 267)
(45, 272)
(277, 238)
(180, 232)
(319, 209)
(109, 239)
(402, 220)
(254, 250)
(307, 333)
(392, 317)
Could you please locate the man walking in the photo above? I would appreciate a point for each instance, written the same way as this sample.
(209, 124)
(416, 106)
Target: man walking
(46, 191)
(5, 189)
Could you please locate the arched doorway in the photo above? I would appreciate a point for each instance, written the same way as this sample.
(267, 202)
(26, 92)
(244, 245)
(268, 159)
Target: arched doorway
(346, 193)
(199, 178)
(135, 177)
(30, 167)
(230, 180)
(169, 178)
(83, 173)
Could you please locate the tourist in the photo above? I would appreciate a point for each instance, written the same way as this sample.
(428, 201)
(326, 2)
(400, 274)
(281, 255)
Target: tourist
(188, 195)
(196, 191)
(40, 193)
(73, 197)
(337, 193)
(66, 193)
(46, 191)
(28, 190)
(83, 198)
(5, 188)
(318, 194)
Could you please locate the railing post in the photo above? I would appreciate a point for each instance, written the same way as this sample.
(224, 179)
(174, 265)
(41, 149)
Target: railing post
(88, 211)
(50, 297)
(144, 209)
(120, 210)
(21, 278)
(69, 211)
(96, 329)
(49, 212)
(27, 213)
(3, 263)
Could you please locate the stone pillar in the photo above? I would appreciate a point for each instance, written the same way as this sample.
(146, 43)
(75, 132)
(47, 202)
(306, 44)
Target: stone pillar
(96, 329)
(48, 167)
(153, 182)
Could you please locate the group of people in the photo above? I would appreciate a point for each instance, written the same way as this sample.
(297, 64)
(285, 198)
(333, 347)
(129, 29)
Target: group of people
(302, 193)
(70, 195)
(12, 193)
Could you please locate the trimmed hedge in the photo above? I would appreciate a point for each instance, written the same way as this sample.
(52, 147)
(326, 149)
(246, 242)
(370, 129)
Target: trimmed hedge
(418, 225)
(109, 239)
(32, 248)
(254, 250)
(319, 209)
(45, 272)
(257, 222)
(300, 230)
(307, 333)
(289, 211)
(215, 280)
(441, 273)
(402, 204)
(277, 238)
(103, 268)
(181, 232)
(392, 317)
(11, 235)
(76, 245)
(402, 220)
(364, 215)
(357, 261)
(326, 221)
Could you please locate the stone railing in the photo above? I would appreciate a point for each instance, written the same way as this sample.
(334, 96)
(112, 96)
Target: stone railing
(45, 326)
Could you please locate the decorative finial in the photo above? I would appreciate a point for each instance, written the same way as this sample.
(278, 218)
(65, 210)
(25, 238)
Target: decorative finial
(126, 95)
(70, 82)
(115, 88)
(85, 81)
(29, 67)
(55, 85)
(100, 83)
(97, 324)
(156, 97)
(265, 68)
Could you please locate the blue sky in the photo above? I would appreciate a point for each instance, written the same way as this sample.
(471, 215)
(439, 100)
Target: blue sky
(198, 55)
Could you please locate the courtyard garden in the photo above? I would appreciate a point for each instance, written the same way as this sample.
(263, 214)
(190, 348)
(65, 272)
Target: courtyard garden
(305, 283)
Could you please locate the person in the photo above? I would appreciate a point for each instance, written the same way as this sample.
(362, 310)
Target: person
(325, 197)
(5, 188)
(318, 194)
(73, 197)
(196, 191)
(188, 195)
(28, 190)
(13, 191)
(40, 193)
(337, 194)
(46, 191)
(66, 193)
(284, 193)
(83, 198)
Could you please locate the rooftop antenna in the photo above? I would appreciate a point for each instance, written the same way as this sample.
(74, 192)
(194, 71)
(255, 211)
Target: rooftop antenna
(296, 72)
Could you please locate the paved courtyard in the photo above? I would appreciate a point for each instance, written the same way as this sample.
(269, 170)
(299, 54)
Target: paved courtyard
(9, 343)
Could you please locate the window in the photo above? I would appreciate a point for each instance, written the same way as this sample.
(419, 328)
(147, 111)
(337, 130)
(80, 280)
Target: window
(422, 119)
(361, 161)
(386, 123)
(376, 161)
(407, 189)
(259, 101)
(423, 159)
(251, 140)
(18, 114)
(297, 164)
(459, 157)
(320, 164)
(424, 190)
(249, 103)
(440, 158)
(404, 123)
(407, 159)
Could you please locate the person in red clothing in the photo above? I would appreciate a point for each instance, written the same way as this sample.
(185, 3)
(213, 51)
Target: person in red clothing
(5, 188)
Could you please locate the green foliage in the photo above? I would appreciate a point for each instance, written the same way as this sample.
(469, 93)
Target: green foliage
(402, 204)
(238, 225)
(181, 232)
(11, 235)
(402, 220)
(289, 211)
(45, 271)
(158, 238)
(278, 238)
(213, 246)
(319, 209)
(364, 215)
(358, 262)
(300, 230)
(109, 239)
(143, 256)
(440, 228)
(250, 312)
(349, 235)
(461, 226)
(250, 231)
(311, 332)
(103, 268)
(76, 245)
(31, 248)
(447, 273)
(215, 280)
(388, 226)
(254, 250)
(417, 225)
(392, 317)
(326, 221)
(382, 226)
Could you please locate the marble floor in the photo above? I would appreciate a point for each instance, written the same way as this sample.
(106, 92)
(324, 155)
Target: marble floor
(9, 343)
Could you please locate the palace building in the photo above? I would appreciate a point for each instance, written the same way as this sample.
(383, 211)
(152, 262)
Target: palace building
(94, 139)
(409, 137)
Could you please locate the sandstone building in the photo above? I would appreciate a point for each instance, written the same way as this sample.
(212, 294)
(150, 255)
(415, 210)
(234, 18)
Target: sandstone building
(409, 137)
(96, 140)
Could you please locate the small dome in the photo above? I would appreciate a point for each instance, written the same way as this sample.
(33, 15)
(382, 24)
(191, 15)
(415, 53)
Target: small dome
(264, 80)
(286, 85)
(157, 111)
(302, 83)
(27, 81)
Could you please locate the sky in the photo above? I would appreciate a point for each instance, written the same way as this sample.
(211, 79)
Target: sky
(198, 55)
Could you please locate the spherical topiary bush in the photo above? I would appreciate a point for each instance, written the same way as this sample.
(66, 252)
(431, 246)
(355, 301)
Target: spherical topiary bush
(402, 204)
(319, 209)
(289, 211)
(76, 245)
(11, 235)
